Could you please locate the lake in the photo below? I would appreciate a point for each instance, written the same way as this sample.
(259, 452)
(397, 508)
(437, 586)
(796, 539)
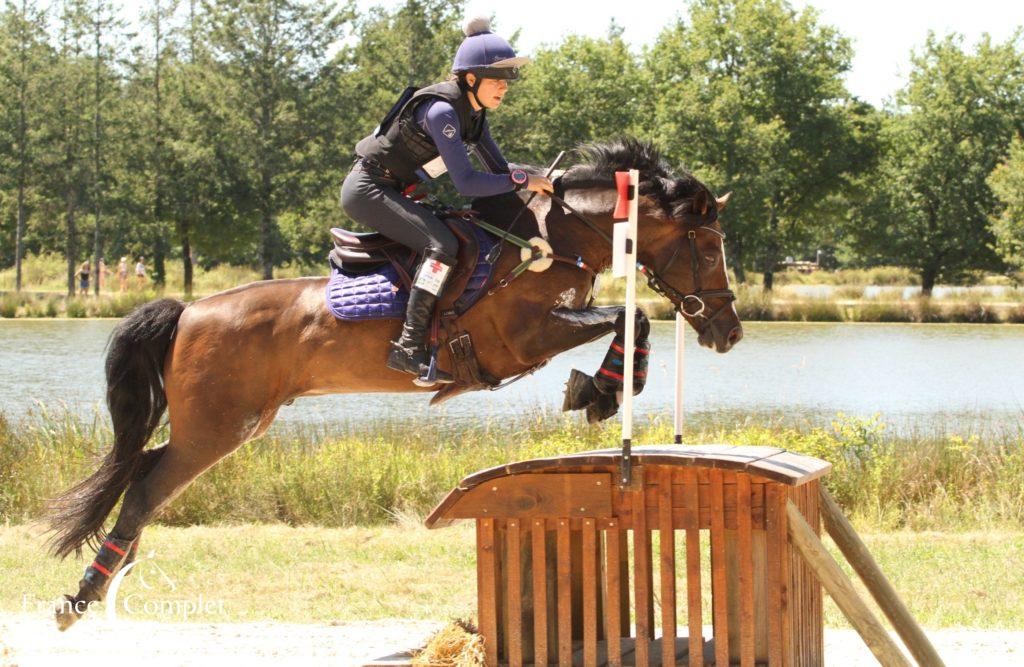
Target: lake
(917, 376)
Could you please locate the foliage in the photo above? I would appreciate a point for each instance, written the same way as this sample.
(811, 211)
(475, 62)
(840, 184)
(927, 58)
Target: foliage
(1007, 182)
(931, 201)
(221, 130)
(750, 94)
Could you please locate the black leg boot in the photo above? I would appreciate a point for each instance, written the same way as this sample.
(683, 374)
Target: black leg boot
(409, 353)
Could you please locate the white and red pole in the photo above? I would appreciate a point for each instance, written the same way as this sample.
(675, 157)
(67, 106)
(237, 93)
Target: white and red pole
(680, 341)
(624, 264)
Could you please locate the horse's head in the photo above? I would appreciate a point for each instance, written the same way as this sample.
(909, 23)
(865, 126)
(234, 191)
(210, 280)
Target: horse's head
(680, 238)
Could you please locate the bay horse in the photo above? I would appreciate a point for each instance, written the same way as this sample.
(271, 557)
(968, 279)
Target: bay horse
(223, 365)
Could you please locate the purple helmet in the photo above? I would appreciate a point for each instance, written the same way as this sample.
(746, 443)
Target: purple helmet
(485, 54)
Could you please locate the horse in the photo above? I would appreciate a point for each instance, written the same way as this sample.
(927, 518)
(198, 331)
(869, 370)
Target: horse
(222, 366)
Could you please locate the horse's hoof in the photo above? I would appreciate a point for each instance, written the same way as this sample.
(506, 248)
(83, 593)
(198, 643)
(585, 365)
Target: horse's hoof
(66, 612)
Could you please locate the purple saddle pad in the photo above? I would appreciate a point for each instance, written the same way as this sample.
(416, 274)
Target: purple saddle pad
(380, 294)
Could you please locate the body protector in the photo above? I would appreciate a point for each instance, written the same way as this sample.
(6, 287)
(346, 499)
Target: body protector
(402, 147)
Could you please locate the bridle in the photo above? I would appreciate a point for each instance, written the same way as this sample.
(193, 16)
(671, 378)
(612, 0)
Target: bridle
(698, 296)
(679, 299)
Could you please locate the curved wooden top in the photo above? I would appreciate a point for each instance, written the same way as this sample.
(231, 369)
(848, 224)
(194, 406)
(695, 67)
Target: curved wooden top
(777, 465)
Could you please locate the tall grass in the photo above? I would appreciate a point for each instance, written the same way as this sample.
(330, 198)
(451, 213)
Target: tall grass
(373, 474)
(879, 275)
(48, 273)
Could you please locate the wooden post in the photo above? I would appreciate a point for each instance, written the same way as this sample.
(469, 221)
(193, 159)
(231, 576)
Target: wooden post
(842, 591)
(881, 590)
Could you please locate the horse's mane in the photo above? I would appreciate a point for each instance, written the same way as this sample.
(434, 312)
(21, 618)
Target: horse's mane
(600, 161)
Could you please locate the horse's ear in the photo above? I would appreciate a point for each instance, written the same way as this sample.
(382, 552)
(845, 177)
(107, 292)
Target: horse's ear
(723, 201)
(700, 202)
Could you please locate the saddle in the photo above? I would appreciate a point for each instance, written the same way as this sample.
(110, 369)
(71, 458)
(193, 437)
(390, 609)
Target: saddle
(357, 254)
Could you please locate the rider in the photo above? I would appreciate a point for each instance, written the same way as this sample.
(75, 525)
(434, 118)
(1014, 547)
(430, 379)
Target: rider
(426, 133)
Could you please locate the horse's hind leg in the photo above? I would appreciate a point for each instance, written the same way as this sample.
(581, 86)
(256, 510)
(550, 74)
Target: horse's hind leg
(179, 463)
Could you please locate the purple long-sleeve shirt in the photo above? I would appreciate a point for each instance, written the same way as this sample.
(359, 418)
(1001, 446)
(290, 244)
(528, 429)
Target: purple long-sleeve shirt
(439, 120)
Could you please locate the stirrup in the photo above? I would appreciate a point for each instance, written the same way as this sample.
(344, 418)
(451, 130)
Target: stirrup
(432, 375)
(403, 359)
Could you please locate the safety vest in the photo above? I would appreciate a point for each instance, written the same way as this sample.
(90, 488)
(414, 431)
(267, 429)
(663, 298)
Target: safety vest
(403, 148)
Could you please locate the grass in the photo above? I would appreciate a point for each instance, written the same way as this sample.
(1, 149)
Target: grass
(313, 574)
(312, 525)
(375, 473)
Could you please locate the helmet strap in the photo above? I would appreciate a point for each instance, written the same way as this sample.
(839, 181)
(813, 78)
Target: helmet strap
(473, 88)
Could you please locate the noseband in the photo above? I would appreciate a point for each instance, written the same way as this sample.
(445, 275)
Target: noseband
(680, 300)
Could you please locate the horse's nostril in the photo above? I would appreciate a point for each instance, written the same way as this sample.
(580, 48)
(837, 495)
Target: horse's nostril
(735, 335)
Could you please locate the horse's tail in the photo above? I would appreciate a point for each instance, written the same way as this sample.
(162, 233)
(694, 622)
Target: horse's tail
(136, 353)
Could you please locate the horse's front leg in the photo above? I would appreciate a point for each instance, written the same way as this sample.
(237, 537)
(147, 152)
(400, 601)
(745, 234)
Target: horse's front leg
(599, 394)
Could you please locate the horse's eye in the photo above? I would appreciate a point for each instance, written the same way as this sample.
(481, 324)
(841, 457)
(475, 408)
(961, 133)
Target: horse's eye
(710, 259)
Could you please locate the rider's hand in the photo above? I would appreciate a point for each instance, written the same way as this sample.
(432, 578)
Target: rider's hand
(540, 184)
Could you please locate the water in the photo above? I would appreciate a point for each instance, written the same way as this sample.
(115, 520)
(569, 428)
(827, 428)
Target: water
(959, 376)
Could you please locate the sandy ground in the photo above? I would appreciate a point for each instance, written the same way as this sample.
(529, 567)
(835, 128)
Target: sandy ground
(27, 640)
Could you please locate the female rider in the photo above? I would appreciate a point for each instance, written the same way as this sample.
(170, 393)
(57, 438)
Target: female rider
(426, 133)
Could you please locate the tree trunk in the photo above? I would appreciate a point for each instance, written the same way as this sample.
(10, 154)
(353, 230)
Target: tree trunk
(19, 234)
(160, 247)
(19, 240)
(97, 241)
(771, 257)
(736, 261)
(266, 234)
(71, 243)
(186, 260)
(928, 276)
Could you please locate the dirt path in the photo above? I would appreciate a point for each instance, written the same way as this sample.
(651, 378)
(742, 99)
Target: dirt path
(31, 640)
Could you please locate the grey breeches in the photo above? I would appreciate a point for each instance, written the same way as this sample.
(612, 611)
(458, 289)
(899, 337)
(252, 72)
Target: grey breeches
(376, 202)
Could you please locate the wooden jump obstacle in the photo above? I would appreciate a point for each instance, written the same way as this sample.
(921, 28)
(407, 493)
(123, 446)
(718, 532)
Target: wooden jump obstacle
(560, 581)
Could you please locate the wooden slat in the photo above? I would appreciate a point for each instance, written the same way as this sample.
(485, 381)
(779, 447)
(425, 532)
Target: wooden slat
(745, 549)
(564, 591)
(626, 627)
(613, 593)
(533, 495)
(488, 610)
(515, 596)
(590, 585)
(668, 569)
(641, 577)
(776, 539)
(719, 587)
(693, 592)
(540, 593)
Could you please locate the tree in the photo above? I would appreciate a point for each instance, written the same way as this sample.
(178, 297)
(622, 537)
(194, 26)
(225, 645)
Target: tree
(66, 79)
(102, 22)
(1007, 182)
(952, 124)
(266, 57)
(581, 90)
(23, 53)
(750, 94)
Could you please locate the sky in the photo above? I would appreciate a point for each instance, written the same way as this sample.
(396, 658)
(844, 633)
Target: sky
(883, 31)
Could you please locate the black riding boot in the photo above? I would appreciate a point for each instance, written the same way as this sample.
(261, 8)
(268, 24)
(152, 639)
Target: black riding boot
(409, 353)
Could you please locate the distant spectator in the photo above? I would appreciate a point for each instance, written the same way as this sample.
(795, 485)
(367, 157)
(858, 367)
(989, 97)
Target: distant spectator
(122, 273)
(140, 272)
(83, 278)
(101, 273)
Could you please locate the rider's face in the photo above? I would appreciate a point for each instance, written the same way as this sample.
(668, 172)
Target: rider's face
(490, 92)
